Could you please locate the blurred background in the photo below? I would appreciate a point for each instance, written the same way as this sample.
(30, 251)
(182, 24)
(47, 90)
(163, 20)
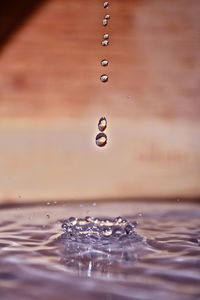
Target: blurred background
(51, 99)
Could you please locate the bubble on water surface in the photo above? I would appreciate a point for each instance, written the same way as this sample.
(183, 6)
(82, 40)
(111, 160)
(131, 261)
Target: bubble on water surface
(102, 124)
(105, 43)
(104, 62)
(101, 139)
(104, 78)
(106, 4)
(104, 22)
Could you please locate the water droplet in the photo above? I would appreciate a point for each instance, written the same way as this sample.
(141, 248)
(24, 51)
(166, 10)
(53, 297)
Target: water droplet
(72, 221)
(105, 43)
(88, 219)
(106, 4)
(104, 78)
(102, 124)
(48, 203)
(104, 22)
(94, 204)
(129, 229)
(101, 139)
(106, 36)
(104, 62)
(107, 17)
(118, 220)
(107, 232)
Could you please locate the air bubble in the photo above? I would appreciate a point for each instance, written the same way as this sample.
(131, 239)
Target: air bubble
(106, 4)
(105, 43)
(104, 78)
(106, 36)
(102, 124)
(104, 22)
(101, 139)
(104, 62)
(107, 17)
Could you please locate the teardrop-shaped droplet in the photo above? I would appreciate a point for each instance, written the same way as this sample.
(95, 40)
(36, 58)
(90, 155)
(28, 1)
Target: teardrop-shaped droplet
(104, 22)
(105, 43)
(107, 17)
(106, 36)
(106, 4)
(104, 78)
(101, 139)
(104, 62)
(102, 124)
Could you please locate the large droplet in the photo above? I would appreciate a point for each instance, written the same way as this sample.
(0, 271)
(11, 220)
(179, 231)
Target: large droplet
(107, 17)
(104, 62)
(105, 43)
(102, 124)
(101, 139)
(104, 22)
(106, 36)
(104, 78)
(106, 4)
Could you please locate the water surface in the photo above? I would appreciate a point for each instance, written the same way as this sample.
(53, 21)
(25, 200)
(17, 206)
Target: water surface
(160, 260)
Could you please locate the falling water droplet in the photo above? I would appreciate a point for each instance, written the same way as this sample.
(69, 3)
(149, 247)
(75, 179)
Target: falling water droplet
(107, 17)
(104, 62)
(105, 43)
(106, 36)
(104, 78)
(106, 4)
(104, 22)
(102, 124)
(101, 139)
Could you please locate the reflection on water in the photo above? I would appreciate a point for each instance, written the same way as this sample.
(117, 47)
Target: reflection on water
(158, 259)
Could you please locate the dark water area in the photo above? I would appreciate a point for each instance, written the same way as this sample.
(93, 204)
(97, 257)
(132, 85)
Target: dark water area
(158, 259)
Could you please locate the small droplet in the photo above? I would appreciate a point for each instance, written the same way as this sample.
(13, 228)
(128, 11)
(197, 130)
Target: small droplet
(72, 221)
(106, 4)
(105, 43)
(102, 124)
(48, 216)
(104, 62)
(107, 232)
(128, 229)
(107, 17)
(104, 22)
(104, 78)
(101, 139)
(106, 36)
